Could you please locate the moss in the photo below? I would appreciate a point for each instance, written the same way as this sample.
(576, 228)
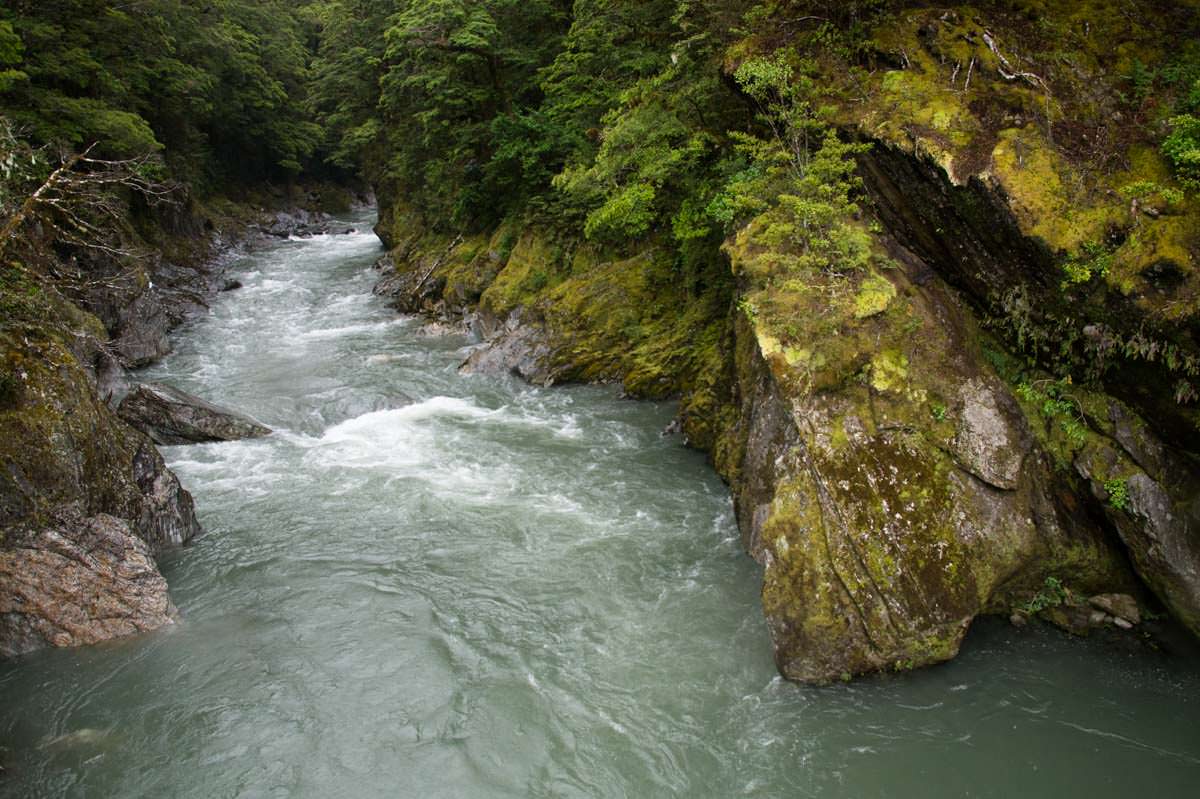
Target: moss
(874, 297)
(889, 371)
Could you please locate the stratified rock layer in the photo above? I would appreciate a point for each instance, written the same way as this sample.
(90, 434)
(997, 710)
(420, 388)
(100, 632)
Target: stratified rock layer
(170, 416)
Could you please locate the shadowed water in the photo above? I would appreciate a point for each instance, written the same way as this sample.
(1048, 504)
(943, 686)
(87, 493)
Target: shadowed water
(432, 585)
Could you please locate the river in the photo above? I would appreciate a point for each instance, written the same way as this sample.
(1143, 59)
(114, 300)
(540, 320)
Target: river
(433, 585)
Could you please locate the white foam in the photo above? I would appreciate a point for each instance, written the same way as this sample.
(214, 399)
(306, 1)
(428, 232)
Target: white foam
(347, 330)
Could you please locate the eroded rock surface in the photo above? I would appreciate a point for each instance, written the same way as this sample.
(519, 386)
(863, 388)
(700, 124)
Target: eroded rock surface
(170, 416)
(78, 580)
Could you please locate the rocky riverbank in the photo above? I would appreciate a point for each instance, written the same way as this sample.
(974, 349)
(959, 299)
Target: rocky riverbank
(905, 442)
(86, 502)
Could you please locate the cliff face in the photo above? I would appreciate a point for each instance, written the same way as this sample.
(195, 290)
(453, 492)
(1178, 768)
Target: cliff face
(998, 419)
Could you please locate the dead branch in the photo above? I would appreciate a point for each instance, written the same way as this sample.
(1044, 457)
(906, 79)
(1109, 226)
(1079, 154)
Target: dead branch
(1007, 70)
(82, 200)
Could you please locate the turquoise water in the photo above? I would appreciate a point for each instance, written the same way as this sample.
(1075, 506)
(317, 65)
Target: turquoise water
(432, 585)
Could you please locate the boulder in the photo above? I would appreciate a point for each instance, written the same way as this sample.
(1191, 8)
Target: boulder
(170, 416)
(79, 581)
(890, 483)
(523, 350)
(1121, 606)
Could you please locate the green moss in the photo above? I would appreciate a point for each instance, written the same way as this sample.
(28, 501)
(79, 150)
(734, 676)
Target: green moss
(889, 371)
(874, 297)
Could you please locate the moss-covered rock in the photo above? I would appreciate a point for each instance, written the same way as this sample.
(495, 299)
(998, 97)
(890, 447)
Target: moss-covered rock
(890, 483)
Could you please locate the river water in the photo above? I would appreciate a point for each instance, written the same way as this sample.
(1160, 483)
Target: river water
(433, 585)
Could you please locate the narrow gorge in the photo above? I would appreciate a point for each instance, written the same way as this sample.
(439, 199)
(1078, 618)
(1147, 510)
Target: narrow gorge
(600, 399)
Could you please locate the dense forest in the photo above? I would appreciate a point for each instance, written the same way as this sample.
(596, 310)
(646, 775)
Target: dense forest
(856, 240)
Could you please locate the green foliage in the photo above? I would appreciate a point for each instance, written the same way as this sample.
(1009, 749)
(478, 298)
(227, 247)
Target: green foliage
(799, 181)
(1151, 191)
(219, 86)
(1052, 594)
(1092, 260)
(1056, 405)
(938, 411)
(1118, 493)
(1182, 149)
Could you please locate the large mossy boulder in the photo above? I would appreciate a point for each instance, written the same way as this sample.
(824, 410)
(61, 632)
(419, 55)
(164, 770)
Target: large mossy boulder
(888, 480)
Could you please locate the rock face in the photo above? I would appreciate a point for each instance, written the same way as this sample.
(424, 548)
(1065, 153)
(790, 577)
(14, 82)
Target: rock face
(889, 511)
(170, 416)
(523, 350)
(79, 580)
(86, 502)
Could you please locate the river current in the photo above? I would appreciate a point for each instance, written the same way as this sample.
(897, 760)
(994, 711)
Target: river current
(426, 584)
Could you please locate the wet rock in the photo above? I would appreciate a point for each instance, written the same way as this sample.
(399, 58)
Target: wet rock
(1158, 519)
(142, 332)
(79, 581)
(1122, 606)
(170, 416)
(1077, 619)
(986, 443)
(231, 285)
(298, 222)
(522, 350)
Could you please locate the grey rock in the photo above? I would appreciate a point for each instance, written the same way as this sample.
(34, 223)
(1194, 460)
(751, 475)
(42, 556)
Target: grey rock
(522, 350)
(1159, 524)
(1123, 606)
(170, 416)
(986, 443)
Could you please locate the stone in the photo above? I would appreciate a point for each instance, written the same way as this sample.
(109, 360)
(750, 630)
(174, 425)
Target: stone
(985, 443)
(170, 416)
(1074, 619)
(522, 350)
(1123, 606)
(1159, 522)
(1122, 623)
(79, 581)
(231, 285)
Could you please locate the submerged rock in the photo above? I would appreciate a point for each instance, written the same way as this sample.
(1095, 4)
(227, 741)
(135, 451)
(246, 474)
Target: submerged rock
(79, 581)
(170, 416)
